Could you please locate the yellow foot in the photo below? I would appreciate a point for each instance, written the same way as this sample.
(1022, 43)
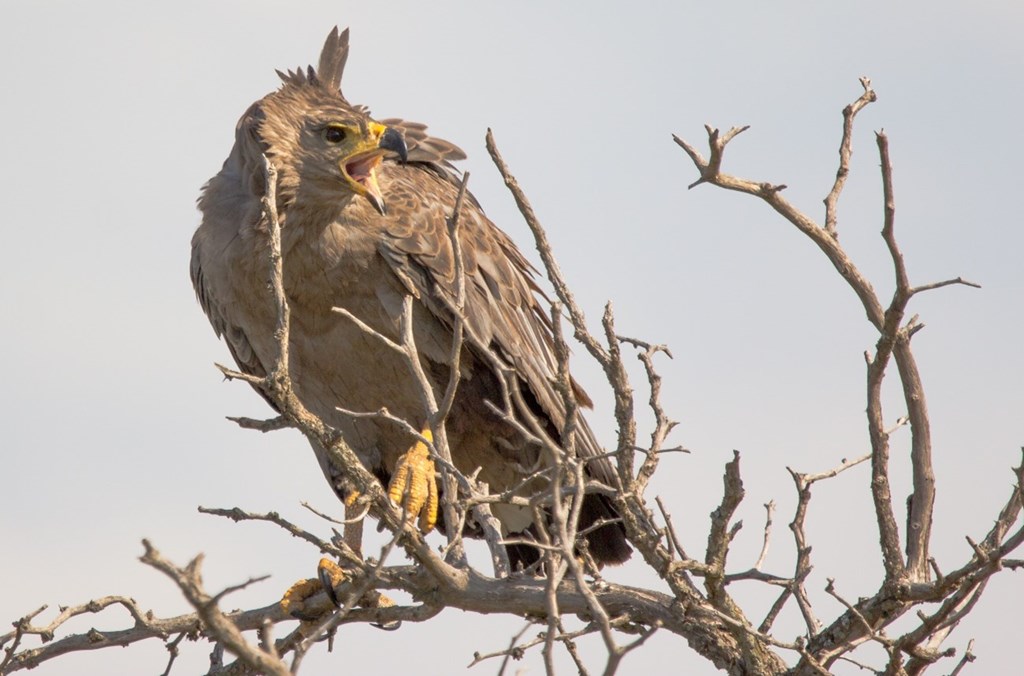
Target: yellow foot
(413, 486)
(294, 600)
(332, 576)
(329, 578)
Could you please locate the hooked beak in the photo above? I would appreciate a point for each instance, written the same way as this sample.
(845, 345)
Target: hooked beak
(394, 141)
(361, 168)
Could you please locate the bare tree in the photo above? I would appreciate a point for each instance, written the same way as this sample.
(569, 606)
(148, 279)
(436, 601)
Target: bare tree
(695, 601)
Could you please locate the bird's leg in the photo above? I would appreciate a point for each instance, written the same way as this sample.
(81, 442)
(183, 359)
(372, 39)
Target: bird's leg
(329, 574)
(413, 485)
(353, 532)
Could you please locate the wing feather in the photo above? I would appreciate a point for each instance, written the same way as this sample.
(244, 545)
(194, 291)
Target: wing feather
(238, 343)
(502, 305)
(423, 147)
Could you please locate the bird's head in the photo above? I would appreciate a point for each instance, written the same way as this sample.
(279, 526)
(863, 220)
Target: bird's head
(341, 151)
(319, 142)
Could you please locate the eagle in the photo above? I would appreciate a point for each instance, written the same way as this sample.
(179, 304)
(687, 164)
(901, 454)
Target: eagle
(363, 207)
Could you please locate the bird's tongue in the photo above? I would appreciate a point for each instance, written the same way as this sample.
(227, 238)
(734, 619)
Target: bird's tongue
(362, 172)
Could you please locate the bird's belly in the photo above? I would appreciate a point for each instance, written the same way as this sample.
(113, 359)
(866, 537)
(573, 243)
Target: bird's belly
(344, 366)
(340, 369)
(337, 364)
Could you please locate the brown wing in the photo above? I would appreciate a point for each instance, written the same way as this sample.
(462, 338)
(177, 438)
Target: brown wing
(501, 307)
(237, 342)
(502, 311)
(423, 147)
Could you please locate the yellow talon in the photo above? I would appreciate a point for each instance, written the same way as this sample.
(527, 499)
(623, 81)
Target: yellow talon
(413, 485)
(294, 600)
(330, 576)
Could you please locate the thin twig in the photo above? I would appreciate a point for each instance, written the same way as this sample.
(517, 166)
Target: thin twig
(189, 582)
(845, 152)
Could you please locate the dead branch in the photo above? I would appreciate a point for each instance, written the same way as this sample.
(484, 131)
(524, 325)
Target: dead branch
(706, 615)
(845, 152)
(222, 629)
(866, 618)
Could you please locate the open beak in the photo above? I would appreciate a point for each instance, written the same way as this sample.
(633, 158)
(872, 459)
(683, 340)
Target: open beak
(361, 168)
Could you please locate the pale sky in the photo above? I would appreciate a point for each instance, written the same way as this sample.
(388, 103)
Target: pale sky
(114, 115)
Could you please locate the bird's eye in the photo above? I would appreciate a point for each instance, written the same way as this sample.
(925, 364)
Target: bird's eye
(334, 134)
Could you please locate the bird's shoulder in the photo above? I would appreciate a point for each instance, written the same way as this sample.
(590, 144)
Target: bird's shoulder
(499, 279)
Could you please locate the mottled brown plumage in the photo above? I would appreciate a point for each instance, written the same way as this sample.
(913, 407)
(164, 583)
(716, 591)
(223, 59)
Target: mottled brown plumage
(361, 234)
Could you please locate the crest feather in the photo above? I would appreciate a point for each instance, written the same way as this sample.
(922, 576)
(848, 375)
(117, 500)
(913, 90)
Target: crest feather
(332, 60)
(330, 69)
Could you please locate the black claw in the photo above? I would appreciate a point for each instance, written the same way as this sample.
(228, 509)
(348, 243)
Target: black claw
(328, 584)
